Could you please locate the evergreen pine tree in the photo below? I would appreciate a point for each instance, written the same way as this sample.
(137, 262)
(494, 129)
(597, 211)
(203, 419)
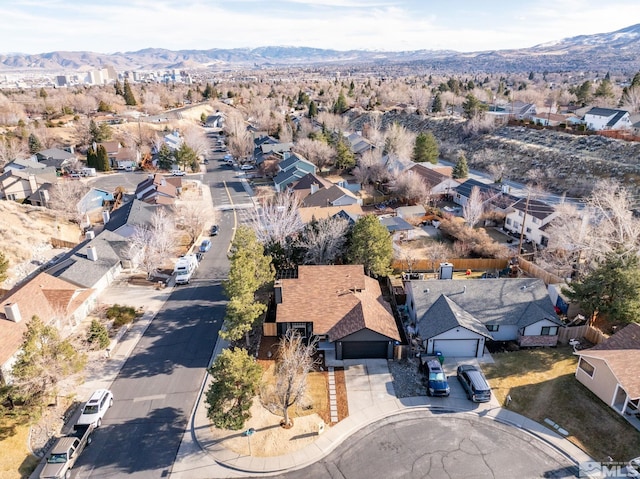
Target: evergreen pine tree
(102, 160)
(461, 170)
(165, 157)
(118, 87)
(34, 144)
(129, 99)
(313, 109)
(426, 148)
(340, 106)
(92, 158)
(437, 104)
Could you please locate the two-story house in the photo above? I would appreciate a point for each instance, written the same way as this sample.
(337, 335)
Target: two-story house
(535, 215)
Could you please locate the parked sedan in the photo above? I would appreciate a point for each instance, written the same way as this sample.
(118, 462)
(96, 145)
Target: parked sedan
(247, 166)
(205, 245)
(214, 230)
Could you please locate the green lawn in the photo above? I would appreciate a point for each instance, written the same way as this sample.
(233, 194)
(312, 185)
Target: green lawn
(542, 385)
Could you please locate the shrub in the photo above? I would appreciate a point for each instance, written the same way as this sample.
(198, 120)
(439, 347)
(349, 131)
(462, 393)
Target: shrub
(121, 315)
(98, 334)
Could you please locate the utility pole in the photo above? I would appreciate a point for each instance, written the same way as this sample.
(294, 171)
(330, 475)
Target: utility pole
(524, 221)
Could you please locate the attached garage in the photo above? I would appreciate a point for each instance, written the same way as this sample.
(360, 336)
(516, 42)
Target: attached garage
(364, 349)
(364, 344)
(462, 348)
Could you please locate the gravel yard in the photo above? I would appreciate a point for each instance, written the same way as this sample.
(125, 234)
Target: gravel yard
(407, 381)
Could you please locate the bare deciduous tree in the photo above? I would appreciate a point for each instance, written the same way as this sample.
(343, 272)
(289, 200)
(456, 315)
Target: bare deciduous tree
(410, 187)
(317, 152)
(324, 240)
(277, 219)
(399, 141)
(473, 210)
(370, 168)
(293, 364)
(11, 149)
(197, 140)
(143, 252)
(192, 219)
(65, 197)
(606, 225)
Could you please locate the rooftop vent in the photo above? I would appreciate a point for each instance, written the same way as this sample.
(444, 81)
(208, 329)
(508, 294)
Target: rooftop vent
(92, 253)
(12, 312)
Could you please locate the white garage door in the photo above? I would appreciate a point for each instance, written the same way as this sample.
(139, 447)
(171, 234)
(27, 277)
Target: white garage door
(456, 348)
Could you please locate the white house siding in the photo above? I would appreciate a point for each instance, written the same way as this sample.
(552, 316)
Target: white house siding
(344, 201)
(603, 383)
(506, 332)
(513, 222)
(445, 187)
(458, 334)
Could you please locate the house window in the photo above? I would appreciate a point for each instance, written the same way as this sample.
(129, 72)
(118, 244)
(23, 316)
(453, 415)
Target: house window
(528, 230)
(544, 241)
(508, 221)
(586, 367)
(520, 213)
(536, 221)
(492, 327)
(549, 331)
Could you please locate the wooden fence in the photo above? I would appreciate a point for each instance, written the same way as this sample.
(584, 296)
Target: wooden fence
(58, 243)
(269, 329)
(460, 264)
(585, 331)
(537, 272)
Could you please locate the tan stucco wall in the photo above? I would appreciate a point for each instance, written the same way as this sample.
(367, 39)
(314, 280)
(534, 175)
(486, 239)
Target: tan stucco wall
(603, 384)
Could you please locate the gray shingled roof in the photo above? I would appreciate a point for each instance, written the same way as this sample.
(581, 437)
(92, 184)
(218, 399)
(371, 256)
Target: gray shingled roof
(444, 315)
(78, 269)
(465, 188)
(133, 213)
(500, 301)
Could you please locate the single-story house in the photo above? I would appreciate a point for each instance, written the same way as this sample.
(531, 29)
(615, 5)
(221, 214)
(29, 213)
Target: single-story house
(437, 180)
(308, 184)
(349, 212)
(458, 317)
(94, 263)
(119, 157)
(358, 143)
(94, 199)
(54, 300)
(61, 160)
(334, 195)
(22, 163)
(398, 227)
(339, 305)
(611, 370)
(123, 221)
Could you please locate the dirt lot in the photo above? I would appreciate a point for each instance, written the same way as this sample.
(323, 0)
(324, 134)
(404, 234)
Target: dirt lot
(25, 233)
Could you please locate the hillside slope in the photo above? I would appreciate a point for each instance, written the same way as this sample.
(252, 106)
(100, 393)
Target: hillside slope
(25, 234)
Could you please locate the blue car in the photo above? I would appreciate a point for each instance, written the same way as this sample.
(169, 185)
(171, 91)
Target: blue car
(205, 246)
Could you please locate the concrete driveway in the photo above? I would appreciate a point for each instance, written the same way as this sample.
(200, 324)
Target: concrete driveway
(368, 382)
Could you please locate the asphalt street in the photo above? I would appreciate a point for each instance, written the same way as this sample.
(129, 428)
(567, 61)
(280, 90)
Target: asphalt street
(157, 387)
(412, 445)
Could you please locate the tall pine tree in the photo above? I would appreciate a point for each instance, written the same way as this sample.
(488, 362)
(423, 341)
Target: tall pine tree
(129, 99)
(102, 160)
(426, 148)
(461, 170)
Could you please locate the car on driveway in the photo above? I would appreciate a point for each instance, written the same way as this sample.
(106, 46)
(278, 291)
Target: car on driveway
(474, 383)
(247, 166)
(205, 245)
(437, 384)
(214, 230)
(177, 172)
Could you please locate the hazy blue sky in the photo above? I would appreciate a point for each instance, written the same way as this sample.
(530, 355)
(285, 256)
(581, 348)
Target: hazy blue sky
(107, 26)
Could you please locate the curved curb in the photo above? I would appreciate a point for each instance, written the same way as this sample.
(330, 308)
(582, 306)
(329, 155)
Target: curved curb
(320, 453)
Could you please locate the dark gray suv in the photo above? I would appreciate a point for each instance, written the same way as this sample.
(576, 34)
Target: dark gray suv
(474, 383)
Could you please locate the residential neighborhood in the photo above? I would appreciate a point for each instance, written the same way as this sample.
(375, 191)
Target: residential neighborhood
(255, 276)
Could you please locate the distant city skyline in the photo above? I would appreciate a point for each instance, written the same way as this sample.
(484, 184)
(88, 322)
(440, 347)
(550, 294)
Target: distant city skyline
(41, 26)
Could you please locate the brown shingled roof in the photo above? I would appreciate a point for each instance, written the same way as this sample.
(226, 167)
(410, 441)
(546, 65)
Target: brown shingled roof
(621, 352)
(338, 300)
(44, 296)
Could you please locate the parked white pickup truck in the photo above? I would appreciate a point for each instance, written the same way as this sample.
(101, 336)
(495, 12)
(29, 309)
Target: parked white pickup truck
(65, 452)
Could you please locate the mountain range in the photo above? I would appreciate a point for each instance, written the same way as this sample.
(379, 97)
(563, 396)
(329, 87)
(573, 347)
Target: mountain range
(615, 52)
